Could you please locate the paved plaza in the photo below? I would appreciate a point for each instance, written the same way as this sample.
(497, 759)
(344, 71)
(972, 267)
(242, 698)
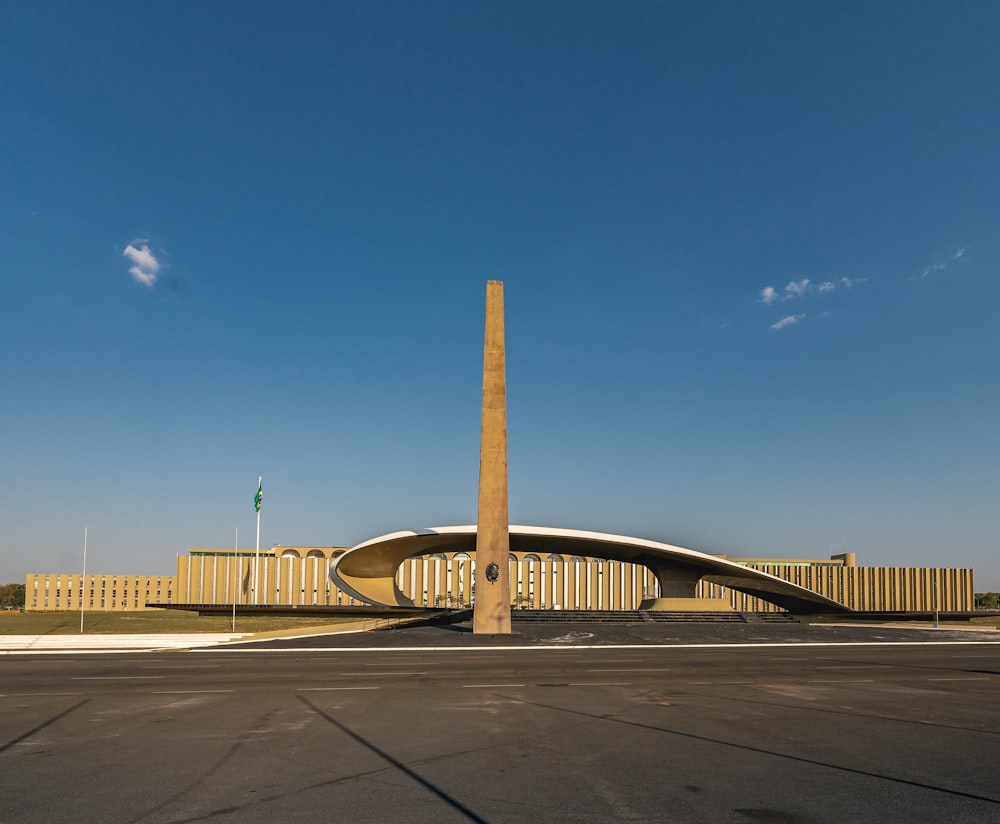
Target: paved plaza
(564, 723)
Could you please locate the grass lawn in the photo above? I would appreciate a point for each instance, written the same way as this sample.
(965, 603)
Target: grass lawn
(147, 621)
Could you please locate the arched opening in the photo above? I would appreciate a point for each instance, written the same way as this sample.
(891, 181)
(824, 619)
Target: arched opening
(527, 598)
(462, 595)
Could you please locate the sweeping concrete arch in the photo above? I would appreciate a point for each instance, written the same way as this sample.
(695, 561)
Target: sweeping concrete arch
(368, 570)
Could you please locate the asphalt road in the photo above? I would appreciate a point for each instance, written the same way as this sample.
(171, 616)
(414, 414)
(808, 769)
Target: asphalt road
(790, 734)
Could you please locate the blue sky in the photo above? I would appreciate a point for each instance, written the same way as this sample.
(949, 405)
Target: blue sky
(750, 256)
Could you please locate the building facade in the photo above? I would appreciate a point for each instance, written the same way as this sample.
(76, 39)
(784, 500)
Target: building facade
(300, 576)
(107, 593)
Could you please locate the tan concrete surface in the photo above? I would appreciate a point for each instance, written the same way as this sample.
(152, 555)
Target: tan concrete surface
(492, 609)
(688, 605)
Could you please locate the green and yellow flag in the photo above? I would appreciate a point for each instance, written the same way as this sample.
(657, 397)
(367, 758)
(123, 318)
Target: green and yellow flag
(258, 496)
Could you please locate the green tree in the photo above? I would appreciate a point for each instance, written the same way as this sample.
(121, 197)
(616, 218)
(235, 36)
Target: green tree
(11, 596)
(987, 600)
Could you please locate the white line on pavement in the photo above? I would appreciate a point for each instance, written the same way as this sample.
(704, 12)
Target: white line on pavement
(33, 694)
(187, 692)
(231, 648)
(379, 674)
(970, 678)
(331, 689)
(117, 677)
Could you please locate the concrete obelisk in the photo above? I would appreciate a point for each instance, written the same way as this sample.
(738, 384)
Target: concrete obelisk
(491, 613)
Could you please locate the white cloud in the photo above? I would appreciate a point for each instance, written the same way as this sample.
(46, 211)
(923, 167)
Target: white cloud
(145, 268)
(768, 295)
(797, 288)
(958, 254)
(803, 288)
(787, 320)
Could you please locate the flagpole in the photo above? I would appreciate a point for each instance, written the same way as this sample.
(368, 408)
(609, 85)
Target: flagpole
(83, 579)
(256, 557)
(236, 575)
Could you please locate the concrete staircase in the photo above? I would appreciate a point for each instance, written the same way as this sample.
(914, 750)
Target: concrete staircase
(592, 616)
(695, 617)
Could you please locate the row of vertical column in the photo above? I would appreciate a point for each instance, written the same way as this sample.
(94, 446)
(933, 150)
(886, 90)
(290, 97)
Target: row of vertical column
(889, 589)
(534, 584)
(100, 592)
(221, 579)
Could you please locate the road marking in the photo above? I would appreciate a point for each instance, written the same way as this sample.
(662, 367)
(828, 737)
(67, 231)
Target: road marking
(623, 659)
(549, 649)
(186, 692)
(33, 694)
(840, 681)
(723, 682)
(599, 684)
(330, 689)
(378, 674)
(117, 677)
(634, 669)
(487, 686)
(966, 678)
(474, 659)
(392, 663)
(185, 666)
(865, 666)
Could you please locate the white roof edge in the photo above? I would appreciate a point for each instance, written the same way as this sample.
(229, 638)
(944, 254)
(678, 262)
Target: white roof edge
(554, 532)
(586, 535)
(393, 536)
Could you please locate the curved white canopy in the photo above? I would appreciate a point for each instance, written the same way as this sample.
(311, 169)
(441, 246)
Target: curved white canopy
(368, 570)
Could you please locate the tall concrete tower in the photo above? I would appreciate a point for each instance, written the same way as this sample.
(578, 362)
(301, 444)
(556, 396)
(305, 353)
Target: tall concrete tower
(491, 614)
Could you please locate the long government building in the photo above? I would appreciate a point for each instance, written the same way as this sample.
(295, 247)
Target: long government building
(300, 576)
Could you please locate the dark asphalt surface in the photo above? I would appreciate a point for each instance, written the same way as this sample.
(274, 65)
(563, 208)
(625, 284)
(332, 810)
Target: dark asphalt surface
(795, 734)
(540, 634)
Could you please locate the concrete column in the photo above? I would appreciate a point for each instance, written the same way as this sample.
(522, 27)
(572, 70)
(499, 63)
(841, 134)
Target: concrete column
(492, 610)
(678, 589)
